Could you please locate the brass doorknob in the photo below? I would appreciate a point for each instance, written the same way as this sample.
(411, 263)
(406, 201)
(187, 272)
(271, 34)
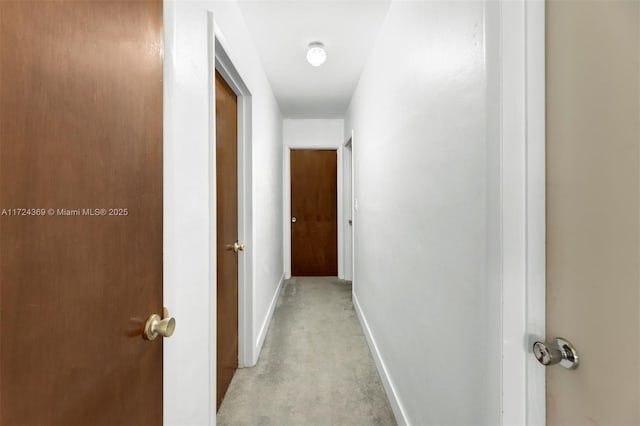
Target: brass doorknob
(157, 326)
(238, 247)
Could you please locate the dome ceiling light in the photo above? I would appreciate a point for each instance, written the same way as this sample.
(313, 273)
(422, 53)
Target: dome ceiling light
(316, 54)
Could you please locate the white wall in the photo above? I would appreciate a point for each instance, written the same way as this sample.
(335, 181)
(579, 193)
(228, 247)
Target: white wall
(312, 134)
(189, 217)
(426, 152)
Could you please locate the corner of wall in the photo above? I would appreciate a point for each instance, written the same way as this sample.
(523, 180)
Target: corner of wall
(389, 388)
(264, 328)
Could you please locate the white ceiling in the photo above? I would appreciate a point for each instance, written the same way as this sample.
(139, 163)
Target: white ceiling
(282, 30)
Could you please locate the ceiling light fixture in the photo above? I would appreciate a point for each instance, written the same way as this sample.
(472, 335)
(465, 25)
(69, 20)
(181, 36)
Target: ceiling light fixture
(316, 54)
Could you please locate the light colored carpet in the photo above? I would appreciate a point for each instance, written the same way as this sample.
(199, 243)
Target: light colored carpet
(315, 368)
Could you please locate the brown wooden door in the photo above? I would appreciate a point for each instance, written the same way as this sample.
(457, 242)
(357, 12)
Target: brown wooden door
(314, 231)
(80, 128)
(227, 231)
(593, 205)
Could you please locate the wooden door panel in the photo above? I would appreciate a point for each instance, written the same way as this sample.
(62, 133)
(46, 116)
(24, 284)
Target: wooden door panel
(80, 128)
(593, 164)
(227, 231)
(314, 235)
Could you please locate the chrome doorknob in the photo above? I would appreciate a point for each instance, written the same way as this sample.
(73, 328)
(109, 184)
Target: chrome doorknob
(293, 219)
(238, 247)
(559, 351)
(157, 326)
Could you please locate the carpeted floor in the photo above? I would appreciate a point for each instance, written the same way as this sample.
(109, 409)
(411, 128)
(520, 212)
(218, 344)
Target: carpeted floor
(315, 367)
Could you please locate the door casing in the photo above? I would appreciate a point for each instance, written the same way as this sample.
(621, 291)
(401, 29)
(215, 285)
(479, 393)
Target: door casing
(178, 387)
(349, 211)
(223, 64)
(522, 226)
(338, 147)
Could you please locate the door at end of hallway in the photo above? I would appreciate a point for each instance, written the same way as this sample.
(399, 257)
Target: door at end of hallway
(314, 213)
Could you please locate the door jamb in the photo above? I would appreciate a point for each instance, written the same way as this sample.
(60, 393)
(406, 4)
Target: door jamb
(287, 202)
(225, 67)
(522, 208)
(348, 145)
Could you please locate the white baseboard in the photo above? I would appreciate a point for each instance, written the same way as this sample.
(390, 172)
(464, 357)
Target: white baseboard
(265, 323)
(396, 405)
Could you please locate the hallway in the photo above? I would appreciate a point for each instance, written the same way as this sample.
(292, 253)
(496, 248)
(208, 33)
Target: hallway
(456, 182)
(315, 367)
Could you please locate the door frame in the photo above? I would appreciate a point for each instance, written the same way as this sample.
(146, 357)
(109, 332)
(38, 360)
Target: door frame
(338, 147)
(195, 340)
(348, 208)
(230, 74)
(522, 207)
